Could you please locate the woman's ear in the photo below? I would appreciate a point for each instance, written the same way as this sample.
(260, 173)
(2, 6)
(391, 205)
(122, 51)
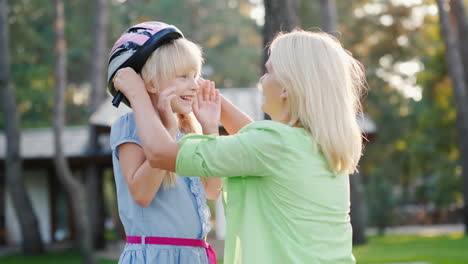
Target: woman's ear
(284, 94)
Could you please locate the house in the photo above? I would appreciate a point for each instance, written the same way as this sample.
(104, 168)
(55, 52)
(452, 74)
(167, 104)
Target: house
(48, 198)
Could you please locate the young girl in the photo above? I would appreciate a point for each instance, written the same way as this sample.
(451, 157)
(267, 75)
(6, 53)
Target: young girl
(165, 216)
(287, 186)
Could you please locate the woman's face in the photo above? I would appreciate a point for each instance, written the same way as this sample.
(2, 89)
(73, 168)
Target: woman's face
(272, 91)
(186, 92)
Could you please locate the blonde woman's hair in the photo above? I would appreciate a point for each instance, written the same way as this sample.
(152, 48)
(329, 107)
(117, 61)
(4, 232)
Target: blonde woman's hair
(324, 84)
(178, 57)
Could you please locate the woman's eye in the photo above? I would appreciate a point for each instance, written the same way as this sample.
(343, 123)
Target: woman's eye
(183, 76)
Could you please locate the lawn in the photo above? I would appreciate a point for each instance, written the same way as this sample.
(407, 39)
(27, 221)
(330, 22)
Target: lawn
(68, 257)
(447, 249)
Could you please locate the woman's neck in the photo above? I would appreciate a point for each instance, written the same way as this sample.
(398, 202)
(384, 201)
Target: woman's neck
(287, 121)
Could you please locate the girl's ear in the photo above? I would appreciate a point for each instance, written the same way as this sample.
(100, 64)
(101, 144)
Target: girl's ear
(151, 87)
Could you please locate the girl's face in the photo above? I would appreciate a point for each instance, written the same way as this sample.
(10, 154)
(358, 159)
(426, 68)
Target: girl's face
(186, 92)
(273, 92)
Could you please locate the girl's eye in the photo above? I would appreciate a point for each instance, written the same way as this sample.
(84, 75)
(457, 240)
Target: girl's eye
(183, 76)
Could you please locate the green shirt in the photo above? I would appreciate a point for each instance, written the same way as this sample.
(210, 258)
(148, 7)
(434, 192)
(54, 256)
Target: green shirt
(283, 203)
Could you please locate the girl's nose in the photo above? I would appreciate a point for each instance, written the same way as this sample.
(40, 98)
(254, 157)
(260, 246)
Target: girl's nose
(194, 85)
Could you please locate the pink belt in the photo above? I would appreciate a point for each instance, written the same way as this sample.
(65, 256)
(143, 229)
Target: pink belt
(176, 242)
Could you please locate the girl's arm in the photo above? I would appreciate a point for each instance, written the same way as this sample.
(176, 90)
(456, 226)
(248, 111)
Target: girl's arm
(142, 180)
(232, 118)
(160, 153)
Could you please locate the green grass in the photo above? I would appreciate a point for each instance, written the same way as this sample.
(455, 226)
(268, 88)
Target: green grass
(65, 257)
(447, 249)
(68, 257)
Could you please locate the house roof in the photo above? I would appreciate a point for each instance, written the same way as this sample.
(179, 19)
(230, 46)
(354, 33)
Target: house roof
(38, 143)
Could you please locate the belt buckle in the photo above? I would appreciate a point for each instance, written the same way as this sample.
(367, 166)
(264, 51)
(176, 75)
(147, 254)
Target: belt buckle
(143, 240)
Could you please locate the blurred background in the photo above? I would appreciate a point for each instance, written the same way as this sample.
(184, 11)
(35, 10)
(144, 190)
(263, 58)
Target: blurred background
(57, 193)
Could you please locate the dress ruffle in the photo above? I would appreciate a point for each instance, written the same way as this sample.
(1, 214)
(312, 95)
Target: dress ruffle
(196, 187)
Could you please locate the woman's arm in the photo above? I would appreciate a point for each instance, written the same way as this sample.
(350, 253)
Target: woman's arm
(142, 180)
(257, 151)
(160, 153)
(207, 111)
(232, 118)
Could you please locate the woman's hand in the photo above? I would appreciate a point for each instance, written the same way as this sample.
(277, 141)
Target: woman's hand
(168, 118)
(128, 82)
(207, 107)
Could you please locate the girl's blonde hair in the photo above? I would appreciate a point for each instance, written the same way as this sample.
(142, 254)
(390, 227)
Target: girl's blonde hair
(178, 57)
(324, 84)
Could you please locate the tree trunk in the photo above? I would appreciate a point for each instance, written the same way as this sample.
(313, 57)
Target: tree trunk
(31, 238)
(2, 209)
(455, 67)
(458, 10)
(98, 74)
(94, 184)
(75, 191)
(328, 18)
(358, 212)
(280, 15)
(461, 19)
(99, 65)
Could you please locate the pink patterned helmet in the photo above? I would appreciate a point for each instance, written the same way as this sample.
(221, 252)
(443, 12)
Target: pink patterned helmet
(134, 47)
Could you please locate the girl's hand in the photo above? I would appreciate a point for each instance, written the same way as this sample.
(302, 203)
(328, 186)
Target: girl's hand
(207, 107)
(128, 82)
(168, 118)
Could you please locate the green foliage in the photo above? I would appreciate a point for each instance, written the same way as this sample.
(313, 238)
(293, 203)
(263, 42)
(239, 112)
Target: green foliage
(415, 152)
(231, 41)
(414, 158)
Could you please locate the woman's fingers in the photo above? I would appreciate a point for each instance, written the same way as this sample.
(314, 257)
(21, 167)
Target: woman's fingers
(212, 93)
(201, 88)
(195, 104)
(218, 97)
(207, 92)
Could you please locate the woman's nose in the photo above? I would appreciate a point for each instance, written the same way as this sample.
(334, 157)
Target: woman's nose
(261, 78)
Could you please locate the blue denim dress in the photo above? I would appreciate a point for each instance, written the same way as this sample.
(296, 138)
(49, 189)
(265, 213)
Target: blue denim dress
(178, 211)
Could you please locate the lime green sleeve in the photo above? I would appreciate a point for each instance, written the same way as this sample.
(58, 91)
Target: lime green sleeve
(251, 152)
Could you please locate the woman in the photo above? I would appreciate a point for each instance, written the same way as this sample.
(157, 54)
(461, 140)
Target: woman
(286, 190)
